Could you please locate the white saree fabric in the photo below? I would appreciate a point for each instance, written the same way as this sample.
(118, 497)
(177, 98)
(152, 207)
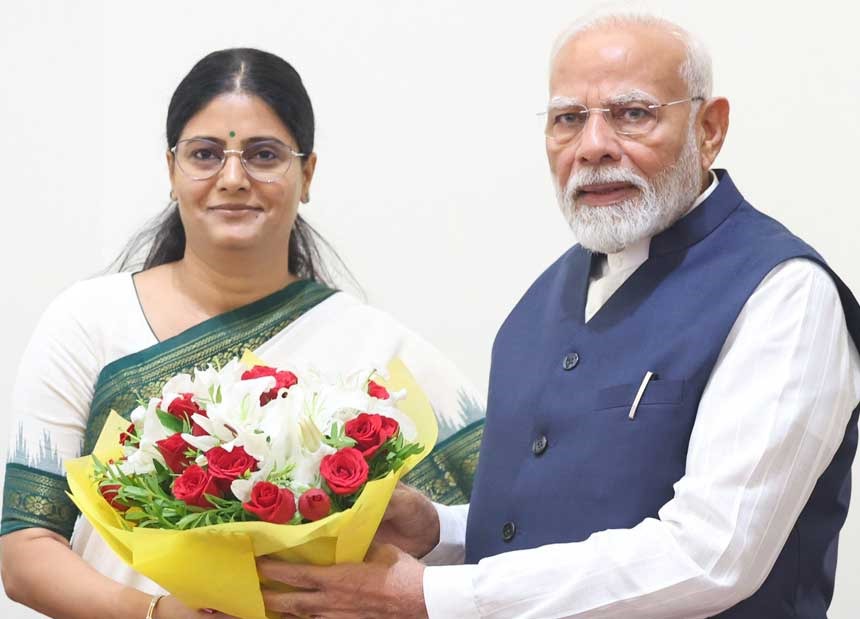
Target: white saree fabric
(99, 321)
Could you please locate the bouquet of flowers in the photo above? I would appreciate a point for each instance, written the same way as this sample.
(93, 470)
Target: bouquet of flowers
(236, 462)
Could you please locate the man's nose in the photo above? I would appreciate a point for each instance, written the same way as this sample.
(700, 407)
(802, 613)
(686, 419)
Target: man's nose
(598, 142)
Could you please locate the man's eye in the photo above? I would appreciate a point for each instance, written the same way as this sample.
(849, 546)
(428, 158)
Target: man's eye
(569, 118)
(633, 114)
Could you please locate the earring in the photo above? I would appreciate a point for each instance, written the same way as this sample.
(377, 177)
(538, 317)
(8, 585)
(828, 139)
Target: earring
(172, 196)
(305, 198)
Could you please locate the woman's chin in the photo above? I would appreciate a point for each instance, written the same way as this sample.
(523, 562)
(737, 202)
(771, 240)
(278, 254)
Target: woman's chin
(236, 240)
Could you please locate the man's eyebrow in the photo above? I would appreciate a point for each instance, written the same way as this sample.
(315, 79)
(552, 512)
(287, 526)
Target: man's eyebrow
(559, 102)
(630, 96)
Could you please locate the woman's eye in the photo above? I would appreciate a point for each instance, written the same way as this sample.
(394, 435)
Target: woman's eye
(204, 154)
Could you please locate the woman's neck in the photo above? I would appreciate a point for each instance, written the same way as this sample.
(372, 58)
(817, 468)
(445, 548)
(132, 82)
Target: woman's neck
(219, 284)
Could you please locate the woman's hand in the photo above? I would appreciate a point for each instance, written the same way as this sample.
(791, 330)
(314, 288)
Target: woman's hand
(410, 522)
(170, 608)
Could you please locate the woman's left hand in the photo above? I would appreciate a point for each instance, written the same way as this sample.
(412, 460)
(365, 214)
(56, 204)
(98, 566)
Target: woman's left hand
(388, 584)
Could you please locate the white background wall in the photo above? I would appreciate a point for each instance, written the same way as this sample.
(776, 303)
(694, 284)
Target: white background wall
(432, 181)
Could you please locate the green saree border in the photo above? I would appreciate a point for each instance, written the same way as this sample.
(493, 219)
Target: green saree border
(446, 475)
(142, 374)
(36, 498)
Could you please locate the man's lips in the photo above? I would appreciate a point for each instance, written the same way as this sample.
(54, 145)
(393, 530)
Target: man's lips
(604, 187)
(605, 193)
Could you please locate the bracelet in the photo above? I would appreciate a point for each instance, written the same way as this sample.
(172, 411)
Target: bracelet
(152, 604)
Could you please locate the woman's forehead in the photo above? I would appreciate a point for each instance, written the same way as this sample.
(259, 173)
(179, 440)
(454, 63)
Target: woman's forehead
(237, 116)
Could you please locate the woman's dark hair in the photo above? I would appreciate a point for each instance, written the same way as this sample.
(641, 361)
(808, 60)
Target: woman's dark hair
(273, 80)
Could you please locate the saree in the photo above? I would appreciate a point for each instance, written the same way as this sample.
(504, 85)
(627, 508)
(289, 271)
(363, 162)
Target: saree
(307, 326)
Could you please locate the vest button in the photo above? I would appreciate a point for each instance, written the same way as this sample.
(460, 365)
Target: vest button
(539, 445)
(571, 360)
(509, 529)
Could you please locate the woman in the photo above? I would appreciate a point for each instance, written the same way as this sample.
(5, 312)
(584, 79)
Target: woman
(232, 267)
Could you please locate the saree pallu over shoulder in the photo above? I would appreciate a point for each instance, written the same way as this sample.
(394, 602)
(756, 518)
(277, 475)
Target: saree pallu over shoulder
(446, 474)
(141, 375)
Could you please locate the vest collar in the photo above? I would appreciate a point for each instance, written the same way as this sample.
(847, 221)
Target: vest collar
(703, 219)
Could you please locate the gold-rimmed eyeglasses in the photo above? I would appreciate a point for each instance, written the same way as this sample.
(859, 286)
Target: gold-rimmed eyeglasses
(631, 118)
(264, 160)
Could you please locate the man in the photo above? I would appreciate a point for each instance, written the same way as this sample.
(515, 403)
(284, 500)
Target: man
(672, 409)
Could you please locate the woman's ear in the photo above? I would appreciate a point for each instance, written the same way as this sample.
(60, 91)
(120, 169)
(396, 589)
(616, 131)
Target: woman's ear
(308, 168)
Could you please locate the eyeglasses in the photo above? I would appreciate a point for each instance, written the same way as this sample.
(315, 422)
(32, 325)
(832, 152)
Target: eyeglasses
(632, 118)
(265, 161)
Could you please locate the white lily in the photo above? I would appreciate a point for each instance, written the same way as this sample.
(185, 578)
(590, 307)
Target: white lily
(140, 461)
(179, 384)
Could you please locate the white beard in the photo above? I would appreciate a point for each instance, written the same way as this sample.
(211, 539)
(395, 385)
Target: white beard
(609, 229)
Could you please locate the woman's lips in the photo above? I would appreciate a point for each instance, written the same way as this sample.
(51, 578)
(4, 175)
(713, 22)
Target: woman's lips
(605, 194)
(235, 210)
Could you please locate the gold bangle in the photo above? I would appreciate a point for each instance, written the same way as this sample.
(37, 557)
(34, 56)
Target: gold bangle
(152, 604)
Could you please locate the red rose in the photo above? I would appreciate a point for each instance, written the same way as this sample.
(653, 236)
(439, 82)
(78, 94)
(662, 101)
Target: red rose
(193, 484)
(173, 449)
(225, 466)
(271, 503)
(109, 492)
(183, 407)
(283, 380)
(370, 432)
(344, 471)
(258, 371)
(375, 390)
(314, 504)
(127, 435)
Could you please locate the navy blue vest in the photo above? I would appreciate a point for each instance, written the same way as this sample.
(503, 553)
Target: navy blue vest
(560, 459)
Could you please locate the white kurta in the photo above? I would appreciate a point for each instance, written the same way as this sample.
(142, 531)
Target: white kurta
(768, 424)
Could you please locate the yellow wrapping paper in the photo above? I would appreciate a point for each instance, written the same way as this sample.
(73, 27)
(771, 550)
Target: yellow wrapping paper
(214, 566)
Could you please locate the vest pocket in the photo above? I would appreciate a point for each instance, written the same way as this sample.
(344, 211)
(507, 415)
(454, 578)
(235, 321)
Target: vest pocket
(656, 392)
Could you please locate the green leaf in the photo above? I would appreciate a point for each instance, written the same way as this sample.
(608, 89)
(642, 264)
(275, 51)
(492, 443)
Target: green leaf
(169, 421)
(162, 471)
(337, 439)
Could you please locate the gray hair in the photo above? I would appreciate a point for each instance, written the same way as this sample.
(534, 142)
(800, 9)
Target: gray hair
(696, 70)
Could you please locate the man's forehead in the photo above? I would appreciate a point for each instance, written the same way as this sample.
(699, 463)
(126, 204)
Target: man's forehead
(613, 59)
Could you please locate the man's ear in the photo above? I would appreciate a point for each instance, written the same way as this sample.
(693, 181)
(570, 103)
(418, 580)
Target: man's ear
(713, 124)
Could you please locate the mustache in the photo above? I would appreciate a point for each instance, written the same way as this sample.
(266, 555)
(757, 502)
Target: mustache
(600, 176)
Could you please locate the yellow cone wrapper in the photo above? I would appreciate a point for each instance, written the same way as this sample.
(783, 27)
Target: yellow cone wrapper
(214, 566)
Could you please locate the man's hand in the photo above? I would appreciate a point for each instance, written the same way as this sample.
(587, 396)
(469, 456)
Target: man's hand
(410, 522)
(388, 584)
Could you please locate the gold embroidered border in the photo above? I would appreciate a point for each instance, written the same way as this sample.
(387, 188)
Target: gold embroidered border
(446, 475)
(34, 498)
